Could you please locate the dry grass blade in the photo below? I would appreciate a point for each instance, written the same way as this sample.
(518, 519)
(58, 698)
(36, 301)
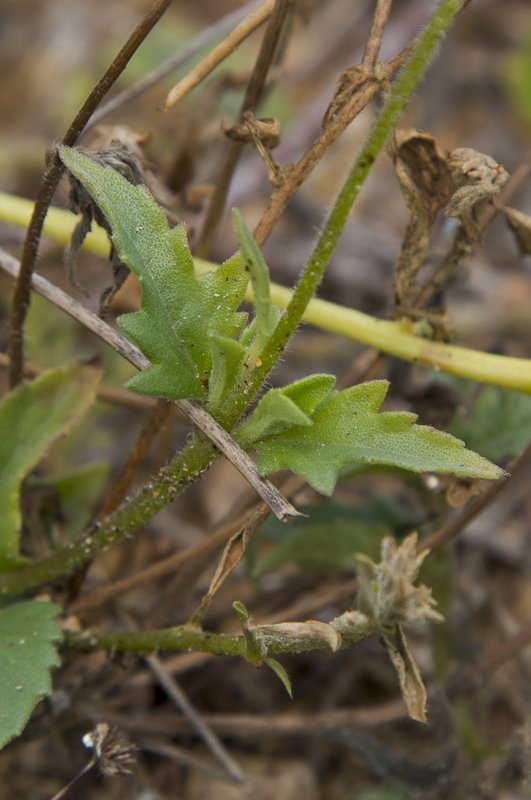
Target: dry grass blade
(182, 702)
(219, 53)
(230, 558)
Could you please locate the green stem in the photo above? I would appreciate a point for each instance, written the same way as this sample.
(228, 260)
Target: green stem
(397, 100)
(187, 639)
(173, 479)
(178, 638)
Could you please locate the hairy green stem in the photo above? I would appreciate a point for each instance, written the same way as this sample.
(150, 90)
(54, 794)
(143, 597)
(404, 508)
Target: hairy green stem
(397, 100)
(188, 639)
(171, 481)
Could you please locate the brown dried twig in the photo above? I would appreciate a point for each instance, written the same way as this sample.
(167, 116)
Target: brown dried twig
(374, 40)
(358, 87)
(251, 99)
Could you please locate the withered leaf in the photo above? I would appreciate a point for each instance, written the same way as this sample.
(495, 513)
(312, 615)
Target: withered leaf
(427, 165)
(301, 635)
(475, 176)
(411, 685)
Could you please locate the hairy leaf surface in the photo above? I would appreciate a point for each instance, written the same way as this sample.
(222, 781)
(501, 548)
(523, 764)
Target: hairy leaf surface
(179, 309)
(27, 654)
(347, 428)
(32, 417)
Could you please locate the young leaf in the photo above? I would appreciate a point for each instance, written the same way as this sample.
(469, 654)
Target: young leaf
(27, 634)
(179, 310)
(32, 417)
(347, 428)
(281, 674)
(285, 408)
(267, 314)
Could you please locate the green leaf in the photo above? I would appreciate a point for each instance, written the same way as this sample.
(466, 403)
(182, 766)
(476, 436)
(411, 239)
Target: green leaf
(179, 310)
(27, 634)
(347, 428)
(281, 673)
(498, 424)
(266, 314)
(32, 417)
(283, 408)
(227, 358)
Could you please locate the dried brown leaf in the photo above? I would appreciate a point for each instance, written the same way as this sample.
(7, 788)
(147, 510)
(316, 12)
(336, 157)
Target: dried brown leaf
(427, 165)
(304, 635)
(520, 225)
(230, 558)
(411, 685)
(425, 182)
(476, 177)
(416, 237)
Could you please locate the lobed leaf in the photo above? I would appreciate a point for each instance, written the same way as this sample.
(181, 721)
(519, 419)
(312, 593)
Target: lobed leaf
(179, 310)
(27, 654)
(32, 417)
(347, 428)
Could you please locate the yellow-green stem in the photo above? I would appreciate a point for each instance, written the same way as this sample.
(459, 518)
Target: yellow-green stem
(395, 338)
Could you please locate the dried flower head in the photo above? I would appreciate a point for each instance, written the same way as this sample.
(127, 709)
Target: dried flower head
(113, 753)
(387, 594)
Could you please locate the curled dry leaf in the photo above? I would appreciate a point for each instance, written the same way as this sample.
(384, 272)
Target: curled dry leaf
(475, 176)
(425, 182)
(351, 81)
(520, 225)
(302, 636)
(427, 165)
(411, 684)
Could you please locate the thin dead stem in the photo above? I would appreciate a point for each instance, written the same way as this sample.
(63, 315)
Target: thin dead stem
(179, 560)
(453, 527)
(196, 720)
(297, 173)
(51, 177)
(374, 40)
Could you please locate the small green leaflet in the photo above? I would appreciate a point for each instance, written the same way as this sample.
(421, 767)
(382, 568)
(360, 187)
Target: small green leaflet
(27, 654)
(182, 316)
(345, 428)
(32, 417)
